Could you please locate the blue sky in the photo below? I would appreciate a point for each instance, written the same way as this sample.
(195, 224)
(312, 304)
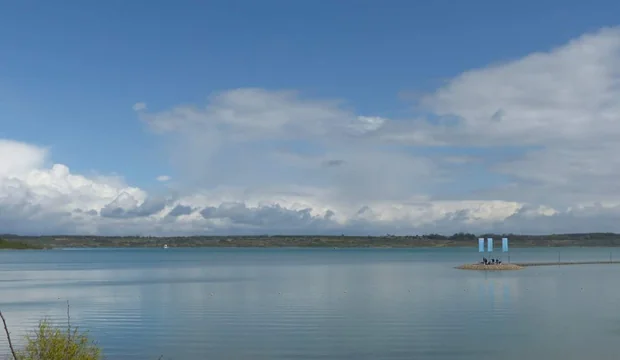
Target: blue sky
(70, 73)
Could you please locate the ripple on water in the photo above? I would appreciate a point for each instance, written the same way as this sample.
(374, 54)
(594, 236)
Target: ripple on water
(311, 305)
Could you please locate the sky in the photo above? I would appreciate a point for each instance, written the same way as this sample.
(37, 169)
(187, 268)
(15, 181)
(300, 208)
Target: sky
(309, 117)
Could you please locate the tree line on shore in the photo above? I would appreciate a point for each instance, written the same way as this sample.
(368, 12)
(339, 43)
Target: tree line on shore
(388, 240)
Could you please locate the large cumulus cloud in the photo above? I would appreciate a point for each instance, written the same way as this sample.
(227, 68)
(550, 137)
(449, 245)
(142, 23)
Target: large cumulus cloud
(261, 161)
(40, 199)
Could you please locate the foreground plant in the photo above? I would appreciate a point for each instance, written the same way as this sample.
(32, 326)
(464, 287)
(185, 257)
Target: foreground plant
(50, 342)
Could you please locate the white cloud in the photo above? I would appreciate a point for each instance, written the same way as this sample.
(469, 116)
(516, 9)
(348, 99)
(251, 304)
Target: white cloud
(54, 200)
(238, 136)
(163, 178)
(18, 158)
(256, 161)
(139, 106)
(565, 94)
(562, 103)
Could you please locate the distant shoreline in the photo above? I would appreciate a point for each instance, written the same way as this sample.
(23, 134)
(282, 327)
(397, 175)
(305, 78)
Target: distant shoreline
(17, 245)
(309, 248)
(460, 240)
(299, 247)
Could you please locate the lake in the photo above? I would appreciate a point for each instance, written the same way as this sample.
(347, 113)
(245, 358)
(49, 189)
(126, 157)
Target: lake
(318, 303)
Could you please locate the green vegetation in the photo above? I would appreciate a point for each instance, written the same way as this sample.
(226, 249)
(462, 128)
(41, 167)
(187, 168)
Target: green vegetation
(316, 241)
(50, 342)
(16, 245)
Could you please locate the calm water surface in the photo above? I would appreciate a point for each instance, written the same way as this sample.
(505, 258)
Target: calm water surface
(318, 304)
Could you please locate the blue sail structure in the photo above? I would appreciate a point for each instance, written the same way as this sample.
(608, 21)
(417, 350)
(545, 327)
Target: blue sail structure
(481, 245)
(490, 244)
(504, 244)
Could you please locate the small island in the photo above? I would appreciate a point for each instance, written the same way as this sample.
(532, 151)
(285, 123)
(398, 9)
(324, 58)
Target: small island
(490, 267)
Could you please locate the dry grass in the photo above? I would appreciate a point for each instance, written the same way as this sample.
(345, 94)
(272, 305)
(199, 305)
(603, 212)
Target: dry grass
(490, 267)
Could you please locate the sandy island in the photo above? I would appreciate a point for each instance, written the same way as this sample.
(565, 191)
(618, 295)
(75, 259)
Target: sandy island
(490, 267)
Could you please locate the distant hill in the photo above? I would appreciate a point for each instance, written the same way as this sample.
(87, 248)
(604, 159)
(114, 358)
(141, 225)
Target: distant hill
(342, 241)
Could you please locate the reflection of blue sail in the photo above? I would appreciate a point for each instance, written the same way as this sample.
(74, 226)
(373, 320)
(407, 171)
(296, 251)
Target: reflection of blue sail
(481, 245)
(491, 298)
(492, 295)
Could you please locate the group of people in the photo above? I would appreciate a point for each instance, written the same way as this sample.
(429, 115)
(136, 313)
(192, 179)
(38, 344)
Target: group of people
(486, 261)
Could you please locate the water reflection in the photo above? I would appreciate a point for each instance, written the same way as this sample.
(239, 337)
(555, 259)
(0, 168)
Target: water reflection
(282, 304)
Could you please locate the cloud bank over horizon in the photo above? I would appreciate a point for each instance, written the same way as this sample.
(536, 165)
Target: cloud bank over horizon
(259, 161)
